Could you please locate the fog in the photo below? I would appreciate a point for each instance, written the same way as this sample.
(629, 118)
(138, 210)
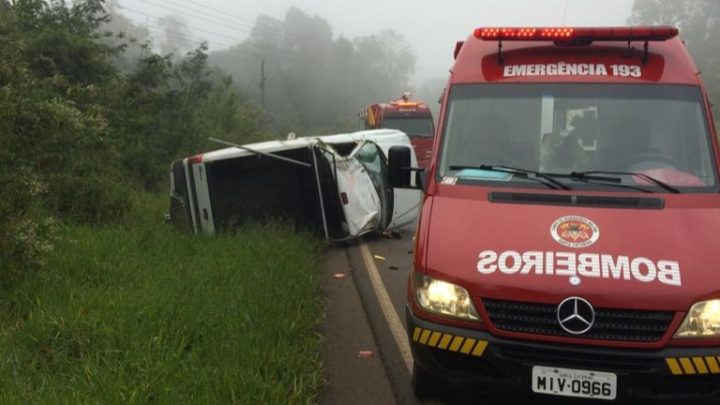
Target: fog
(310, 65)
(430, 27)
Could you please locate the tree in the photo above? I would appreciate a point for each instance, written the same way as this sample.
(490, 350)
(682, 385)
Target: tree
(82, 136)
(119, 31)
(699, 23)
(176, 35)
(389, 55)
(316, 83)
(168, 109)
(52, 126)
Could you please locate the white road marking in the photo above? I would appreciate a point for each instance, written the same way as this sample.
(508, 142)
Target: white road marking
(391, 316)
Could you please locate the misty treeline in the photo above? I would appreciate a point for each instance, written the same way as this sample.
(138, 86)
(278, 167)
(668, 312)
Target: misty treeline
(699, 24)
(313, 81)
(83, 134)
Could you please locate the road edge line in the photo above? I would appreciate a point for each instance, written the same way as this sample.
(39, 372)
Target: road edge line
(391, 317)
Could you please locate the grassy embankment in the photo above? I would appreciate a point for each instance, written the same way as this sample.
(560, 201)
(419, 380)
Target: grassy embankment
(145, 314)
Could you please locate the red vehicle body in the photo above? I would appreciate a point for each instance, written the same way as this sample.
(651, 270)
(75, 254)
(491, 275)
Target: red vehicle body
(566, 239)
(412, 117)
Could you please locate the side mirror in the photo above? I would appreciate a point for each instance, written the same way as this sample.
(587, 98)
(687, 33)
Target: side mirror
(399, 166)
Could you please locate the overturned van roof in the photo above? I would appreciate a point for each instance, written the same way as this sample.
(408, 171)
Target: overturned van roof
(380, 136)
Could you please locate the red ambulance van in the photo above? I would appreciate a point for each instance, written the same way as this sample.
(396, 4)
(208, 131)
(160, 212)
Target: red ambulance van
(566, 241)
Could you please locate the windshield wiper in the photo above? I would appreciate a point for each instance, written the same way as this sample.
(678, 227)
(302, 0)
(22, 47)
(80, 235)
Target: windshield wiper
(528, 174)
(589, 176)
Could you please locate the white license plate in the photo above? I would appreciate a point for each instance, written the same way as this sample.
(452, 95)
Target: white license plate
(574, 383)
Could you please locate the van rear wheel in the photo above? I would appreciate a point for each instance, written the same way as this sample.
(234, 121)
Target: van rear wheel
(426, 385)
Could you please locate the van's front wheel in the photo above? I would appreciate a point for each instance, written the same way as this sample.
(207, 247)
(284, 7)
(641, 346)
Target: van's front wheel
(426, 386)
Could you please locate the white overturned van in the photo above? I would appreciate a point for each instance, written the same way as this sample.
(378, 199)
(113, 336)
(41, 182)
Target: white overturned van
(337, 184)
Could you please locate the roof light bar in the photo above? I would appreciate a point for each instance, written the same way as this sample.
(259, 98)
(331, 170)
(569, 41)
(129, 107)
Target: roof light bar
(576, 34)
(405, 104)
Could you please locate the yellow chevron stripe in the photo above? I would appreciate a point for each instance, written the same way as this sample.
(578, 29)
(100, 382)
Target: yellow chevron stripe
(424, 337)
(434, 339)
(456, 343)
(480, 348)
(445, 341)
(687, 366)
(468, 345)
(712, 364)
(674, 366)
(700, 365)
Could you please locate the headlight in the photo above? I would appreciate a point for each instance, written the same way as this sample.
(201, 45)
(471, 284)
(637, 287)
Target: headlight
(443, 298)
(703, 320)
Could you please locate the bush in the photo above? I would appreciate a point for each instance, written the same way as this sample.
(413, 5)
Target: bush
(84, 138)
(26, 234)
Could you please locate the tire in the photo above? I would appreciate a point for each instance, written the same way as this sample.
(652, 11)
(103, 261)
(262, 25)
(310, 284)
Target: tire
(426, 386)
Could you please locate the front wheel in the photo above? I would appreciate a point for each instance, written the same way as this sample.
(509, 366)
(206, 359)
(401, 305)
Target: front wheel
(426, 386)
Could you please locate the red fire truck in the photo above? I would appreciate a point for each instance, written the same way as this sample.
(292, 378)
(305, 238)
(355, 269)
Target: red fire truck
(566, 244)
(412, 117)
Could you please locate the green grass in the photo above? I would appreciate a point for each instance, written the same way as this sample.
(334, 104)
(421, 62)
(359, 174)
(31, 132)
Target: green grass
(146, 314)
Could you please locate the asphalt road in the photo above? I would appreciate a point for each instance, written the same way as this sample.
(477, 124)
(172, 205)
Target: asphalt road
(392, 259)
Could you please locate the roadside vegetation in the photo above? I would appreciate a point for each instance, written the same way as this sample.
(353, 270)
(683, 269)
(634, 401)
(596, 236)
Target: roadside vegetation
(145, 314)
(100, 301)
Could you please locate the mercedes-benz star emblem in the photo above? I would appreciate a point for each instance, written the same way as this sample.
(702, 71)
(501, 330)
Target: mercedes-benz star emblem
(575, 315)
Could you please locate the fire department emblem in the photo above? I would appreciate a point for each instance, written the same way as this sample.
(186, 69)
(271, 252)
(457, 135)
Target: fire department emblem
(574, 231)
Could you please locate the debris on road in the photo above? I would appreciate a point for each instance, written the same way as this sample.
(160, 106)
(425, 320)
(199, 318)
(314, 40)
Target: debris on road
(378, 257)
(365, 354)
(389, 234)
(340, 275)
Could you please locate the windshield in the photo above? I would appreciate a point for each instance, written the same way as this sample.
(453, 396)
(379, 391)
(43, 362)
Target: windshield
(373, 159)
(656, 130)
(421, 126)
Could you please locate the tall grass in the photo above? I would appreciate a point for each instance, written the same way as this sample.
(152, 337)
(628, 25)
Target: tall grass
(144, 314)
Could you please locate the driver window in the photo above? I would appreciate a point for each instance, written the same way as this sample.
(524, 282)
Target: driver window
(573, 143)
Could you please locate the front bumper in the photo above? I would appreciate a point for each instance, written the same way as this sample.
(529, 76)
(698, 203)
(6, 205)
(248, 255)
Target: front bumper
(479, 358)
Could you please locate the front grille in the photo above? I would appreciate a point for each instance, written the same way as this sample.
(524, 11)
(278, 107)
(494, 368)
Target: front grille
(610, 324)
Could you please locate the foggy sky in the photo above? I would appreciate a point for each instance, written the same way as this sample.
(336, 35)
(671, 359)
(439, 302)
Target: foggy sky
(431, 27)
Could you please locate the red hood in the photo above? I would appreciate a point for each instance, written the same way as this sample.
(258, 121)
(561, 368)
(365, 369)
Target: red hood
(681, 236)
